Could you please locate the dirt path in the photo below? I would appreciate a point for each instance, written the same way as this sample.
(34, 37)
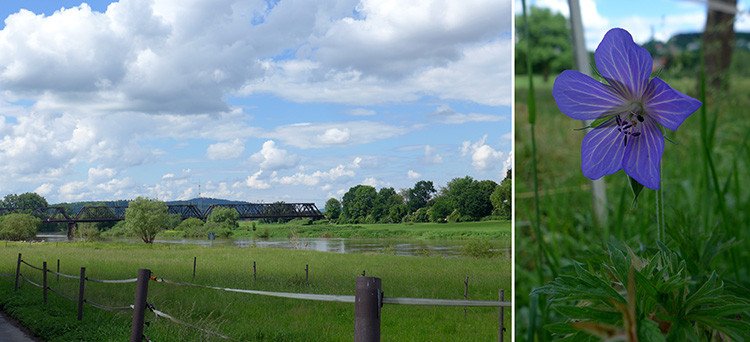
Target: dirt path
(11, 332)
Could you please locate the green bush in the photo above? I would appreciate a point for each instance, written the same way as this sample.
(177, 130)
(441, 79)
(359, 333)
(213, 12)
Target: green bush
(120, 229)
(454, 217)
(19, 227)
(88, 232)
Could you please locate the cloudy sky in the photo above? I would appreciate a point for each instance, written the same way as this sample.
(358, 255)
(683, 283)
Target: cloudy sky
(252, 100)
(642, 18)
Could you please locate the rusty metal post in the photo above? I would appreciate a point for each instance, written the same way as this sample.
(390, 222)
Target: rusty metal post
(44, 281)
(58, 270)
(80, 293)
(139, 306)
(195, 260)
(501, 327)
(368, 299)
(18, 271)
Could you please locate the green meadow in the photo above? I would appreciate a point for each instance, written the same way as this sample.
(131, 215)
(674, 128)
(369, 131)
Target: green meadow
(249, 317)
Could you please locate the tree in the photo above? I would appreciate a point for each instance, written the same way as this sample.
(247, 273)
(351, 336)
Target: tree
(357, 203)
(225, 216)
(551, 50)
(146, 218)
(25, 200)
(397, 213)
(384, 201)
(471, 199)
(18, 227)
(419, 195)
(501, 198)
(440, 209)
(333, 209)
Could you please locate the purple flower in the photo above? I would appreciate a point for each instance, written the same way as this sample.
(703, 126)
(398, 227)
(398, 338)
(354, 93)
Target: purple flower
(630, 139)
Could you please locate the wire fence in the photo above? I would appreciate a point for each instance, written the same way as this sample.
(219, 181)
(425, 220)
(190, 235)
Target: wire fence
(141, 285)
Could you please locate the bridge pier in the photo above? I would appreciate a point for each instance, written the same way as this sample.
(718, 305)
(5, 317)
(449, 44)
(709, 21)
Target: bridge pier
(72, 226)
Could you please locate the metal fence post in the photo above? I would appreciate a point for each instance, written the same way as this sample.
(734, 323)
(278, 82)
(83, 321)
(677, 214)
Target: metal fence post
(368, 299)
(80, 293)
(18, 271)
(44, 282)
(195, 260)
(501, 326)
(139, 306)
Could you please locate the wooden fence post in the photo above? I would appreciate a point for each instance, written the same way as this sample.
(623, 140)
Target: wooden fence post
(466, 292)
(44, 281)
(80, 293)
(139, 306)
(501, 326)
(368, 299)
(18, 271)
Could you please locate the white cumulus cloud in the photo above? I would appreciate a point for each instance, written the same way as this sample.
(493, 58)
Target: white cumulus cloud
(272, 158)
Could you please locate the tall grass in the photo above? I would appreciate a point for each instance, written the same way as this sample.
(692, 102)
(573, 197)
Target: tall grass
(248, 317)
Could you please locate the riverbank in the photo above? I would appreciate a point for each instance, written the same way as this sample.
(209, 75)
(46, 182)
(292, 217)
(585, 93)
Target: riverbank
(243, 316)
(458, 230)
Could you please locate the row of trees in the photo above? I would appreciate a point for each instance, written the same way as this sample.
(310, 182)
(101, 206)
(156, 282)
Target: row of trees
(145, 218)
(462, 199)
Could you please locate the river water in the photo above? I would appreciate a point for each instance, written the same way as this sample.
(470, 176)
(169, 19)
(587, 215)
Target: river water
(399, 246)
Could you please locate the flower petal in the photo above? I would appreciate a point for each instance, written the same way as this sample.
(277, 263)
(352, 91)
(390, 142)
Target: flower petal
(624, 64)
(584, 98)
(602, 150)
(643, 155)
(667, 106)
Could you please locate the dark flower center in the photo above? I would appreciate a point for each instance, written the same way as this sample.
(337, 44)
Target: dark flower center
(628, 126)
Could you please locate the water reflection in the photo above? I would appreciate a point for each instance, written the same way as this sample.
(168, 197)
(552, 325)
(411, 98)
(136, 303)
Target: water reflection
(406, 247)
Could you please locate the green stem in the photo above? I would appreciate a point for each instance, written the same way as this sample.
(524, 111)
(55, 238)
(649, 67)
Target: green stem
(660, 229)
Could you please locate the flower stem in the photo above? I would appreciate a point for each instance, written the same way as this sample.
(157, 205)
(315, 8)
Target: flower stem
(660, 229)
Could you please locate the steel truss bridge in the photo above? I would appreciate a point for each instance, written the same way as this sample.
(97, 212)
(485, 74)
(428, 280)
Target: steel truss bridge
(117, 213)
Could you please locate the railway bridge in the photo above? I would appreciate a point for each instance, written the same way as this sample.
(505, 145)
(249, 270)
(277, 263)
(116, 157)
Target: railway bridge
(117, 213)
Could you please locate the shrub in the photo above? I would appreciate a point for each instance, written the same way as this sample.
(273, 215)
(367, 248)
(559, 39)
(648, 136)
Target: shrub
(88, 232)
(19, 227)
(454, 217)
(120, 229)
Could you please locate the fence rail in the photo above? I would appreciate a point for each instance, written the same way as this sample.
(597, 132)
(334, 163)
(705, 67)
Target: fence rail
(368, 300)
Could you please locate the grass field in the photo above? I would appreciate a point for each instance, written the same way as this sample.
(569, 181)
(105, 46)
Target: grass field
(500, 230)
(247, 317)
(705, 196)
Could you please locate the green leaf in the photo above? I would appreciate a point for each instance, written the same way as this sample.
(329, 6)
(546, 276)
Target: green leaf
(637, 188)
(587, 312)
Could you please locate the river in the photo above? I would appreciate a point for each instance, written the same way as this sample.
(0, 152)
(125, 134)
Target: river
(395, 246)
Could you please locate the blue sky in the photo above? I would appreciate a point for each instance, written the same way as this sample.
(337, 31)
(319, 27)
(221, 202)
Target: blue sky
(642, 18)
(252, 100)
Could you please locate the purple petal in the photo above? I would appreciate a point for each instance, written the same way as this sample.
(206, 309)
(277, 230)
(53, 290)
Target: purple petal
(584, 98)
(602, 150)
(624, 64)
(643, 155)
(667, 106)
